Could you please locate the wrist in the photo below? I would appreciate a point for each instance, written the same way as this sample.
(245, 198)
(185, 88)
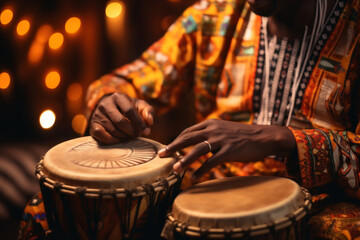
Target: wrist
(283, 141)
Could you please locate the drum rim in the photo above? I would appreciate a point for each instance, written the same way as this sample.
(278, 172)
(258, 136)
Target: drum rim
(195, 231)
(157, 186)
(72, 173)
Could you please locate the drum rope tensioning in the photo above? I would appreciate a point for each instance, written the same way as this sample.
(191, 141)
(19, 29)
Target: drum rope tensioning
(256, 207)
(118, 200)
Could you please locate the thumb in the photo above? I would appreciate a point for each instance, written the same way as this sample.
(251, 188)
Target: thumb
(146, 111)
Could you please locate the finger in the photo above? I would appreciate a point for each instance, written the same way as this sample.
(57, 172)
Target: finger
(181, 142)
(210, 163)
(100, 134)
(128, 110)
(108, 109)
(193, 128)
(146, 111)
(198, 151)
(113, 122)
(121, 123)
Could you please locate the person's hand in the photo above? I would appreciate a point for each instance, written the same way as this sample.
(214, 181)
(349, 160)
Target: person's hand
(229, 142)
(118, 117)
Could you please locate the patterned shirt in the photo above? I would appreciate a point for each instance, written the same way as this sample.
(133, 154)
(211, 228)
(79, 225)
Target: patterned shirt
(215, 49)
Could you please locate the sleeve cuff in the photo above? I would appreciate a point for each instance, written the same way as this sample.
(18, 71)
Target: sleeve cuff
(314, 161)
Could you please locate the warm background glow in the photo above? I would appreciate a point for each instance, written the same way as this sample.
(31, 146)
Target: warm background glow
(113, 9)
(50, 51)
(23, 27)
(4, 80)
(37, 48)
(74, 92)
(72, 25)
(47, 119)
(79, 123)
(56, 40)
(52, 80)
(6, 16)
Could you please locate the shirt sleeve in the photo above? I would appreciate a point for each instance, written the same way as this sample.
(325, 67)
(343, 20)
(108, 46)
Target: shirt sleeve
(333, 156)
(161, 74)
(325, 156)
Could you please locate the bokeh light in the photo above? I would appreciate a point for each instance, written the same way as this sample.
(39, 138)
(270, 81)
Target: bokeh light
(6, 16)
(47, 119)
(78, 123)
(72, 25)
(52, 80)
(113, 9)
(23, 27)
(74, 92)
(4, 80)
(37, 48)
(56, 40)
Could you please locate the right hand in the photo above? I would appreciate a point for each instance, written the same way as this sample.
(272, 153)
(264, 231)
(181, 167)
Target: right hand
(118, 117)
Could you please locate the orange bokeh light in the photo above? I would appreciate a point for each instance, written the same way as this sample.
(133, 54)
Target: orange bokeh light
(56, 40)
(72, 25)
(37, 48)
(6, 16)
(23, 27)
(78, 123)
(4, 80)
(74, 92)
(52, 80)
(113, 9)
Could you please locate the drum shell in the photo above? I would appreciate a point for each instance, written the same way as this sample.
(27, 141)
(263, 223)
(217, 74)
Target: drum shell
(193, 221)
(73, 212)
(94, 191)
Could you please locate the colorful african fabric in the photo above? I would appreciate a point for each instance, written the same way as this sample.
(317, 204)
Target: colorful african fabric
(338, 221)
(33, 223)
(215, 48)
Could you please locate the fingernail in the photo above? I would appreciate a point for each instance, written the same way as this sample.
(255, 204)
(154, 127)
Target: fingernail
(147, 131)
(162, 152)
(178, 167)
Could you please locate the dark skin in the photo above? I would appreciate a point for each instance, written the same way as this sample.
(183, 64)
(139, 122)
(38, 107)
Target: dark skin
(119, 117)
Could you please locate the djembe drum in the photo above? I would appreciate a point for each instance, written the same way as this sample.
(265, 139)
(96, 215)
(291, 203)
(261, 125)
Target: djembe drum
(119, 191)
(254, 207)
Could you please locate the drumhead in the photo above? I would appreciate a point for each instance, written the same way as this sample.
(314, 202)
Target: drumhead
(84, 162)
(237, 202)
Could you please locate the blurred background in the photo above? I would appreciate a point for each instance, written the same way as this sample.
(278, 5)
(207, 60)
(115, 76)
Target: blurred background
(50, 50)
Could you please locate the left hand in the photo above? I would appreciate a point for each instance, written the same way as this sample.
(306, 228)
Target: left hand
(229, 142)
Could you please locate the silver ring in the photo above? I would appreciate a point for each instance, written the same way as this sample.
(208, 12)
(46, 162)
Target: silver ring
(208, 145)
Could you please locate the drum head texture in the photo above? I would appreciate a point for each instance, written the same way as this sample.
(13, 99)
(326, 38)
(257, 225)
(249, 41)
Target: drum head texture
(84, 162)
(238, 202)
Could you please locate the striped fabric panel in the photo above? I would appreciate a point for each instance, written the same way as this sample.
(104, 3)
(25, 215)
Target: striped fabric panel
(17, 177)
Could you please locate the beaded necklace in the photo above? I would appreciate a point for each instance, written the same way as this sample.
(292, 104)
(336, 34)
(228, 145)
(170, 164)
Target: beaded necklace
(307, 45)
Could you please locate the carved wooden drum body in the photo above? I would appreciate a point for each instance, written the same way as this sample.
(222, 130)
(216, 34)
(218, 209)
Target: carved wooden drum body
(254, 207)
(119, 191)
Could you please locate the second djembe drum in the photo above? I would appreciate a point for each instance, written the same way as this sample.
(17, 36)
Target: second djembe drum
(119, 191)
(254, 207)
